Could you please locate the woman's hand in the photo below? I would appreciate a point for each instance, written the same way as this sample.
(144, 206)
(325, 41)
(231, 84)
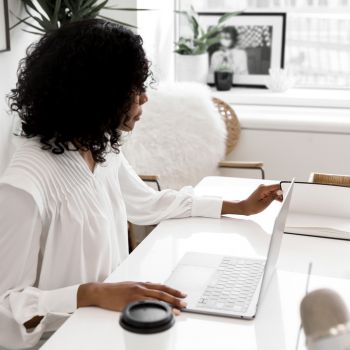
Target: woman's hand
(115, 296)
(259, 200)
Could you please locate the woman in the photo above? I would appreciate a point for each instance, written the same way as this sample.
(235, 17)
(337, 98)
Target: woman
(67, 195)
(228, 56)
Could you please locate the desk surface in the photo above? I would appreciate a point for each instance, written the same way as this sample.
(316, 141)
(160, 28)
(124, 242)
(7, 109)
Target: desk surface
(277, 323)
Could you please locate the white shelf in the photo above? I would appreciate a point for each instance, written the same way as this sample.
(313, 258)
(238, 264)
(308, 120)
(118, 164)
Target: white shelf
(299, 119)
(292, 98)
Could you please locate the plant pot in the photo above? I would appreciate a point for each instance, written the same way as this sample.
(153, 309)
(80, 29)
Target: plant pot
(192, 68)
(223, 80)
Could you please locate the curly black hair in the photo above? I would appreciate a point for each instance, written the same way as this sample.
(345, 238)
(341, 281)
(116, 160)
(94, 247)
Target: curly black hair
(76, 86)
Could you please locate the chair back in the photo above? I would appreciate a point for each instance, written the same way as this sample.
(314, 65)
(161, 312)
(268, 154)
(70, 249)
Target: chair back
(330, 179)
(231, 122)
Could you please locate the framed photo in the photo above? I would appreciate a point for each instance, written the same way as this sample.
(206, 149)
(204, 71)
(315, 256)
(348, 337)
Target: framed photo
(4, 26)
(250, 43)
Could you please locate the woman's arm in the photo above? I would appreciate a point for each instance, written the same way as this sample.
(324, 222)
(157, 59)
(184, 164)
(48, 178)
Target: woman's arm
(22, 306)
(146, 206)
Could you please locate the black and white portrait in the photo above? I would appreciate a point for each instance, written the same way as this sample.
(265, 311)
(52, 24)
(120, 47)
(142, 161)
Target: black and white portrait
(227, 54)
(249, 45)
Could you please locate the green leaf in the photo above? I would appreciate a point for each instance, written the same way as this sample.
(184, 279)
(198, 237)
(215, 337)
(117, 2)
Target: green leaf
(34, 26)
(89, 4)
(37, 12)
(29, 3)
(45, 6)
(226, 16)
(80, 13)
(89, 12)
(212, 32)
(36, 33)
(100, 6)
(195, 26)
(183, 49)
(41, 21)
(213, 41)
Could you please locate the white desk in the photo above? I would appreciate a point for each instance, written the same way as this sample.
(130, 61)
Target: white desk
(277, 322)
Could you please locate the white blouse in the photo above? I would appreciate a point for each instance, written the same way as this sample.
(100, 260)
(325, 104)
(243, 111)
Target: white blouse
(62, 225)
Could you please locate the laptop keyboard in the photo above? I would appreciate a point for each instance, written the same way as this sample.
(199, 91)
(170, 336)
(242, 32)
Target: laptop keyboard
(232, 285)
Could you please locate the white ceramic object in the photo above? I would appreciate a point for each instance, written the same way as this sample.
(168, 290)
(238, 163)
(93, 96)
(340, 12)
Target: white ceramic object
(279, 80)
(192, 68)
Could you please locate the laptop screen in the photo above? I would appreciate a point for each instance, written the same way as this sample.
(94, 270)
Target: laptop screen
(276, 240)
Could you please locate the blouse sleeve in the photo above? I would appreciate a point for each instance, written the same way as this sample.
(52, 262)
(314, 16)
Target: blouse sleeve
(20, 231)
(145, 206)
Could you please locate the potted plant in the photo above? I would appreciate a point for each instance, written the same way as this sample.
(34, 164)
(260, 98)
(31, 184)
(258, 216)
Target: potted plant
(46, 15)
(192, 52)
(223, 77)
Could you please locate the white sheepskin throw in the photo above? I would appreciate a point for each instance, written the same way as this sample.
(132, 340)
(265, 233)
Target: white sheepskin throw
(180, 137)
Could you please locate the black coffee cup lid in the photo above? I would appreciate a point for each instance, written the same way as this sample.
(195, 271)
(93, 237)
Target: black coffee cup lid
(147, 316)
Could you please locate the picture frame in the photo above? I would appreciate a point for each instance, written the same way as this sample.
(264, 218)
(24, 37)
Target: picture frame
(251, 43)
(4, 26)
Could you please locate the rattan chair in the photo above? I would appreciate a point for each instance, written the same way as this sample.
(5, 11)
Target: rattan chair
(330, 179)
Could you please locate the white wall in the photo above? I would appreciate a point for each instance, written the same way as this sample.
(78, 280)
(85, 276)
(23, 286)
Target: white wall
(288, 154)
(8, 66)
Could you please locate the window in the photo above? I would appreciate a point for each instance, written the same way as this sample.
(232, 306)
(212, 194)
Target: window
(317, 38)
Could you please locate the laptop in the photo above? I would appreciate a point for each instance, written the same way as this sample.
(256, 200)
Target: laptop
(229, 285)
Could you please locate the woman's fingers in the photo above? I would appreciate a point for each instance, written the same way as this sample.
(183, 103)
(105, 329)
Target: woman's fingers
(176, 312)
(261, 198)
(164, 296)
(165, 288)
(270, 191)
(274, 187)
(165, 293)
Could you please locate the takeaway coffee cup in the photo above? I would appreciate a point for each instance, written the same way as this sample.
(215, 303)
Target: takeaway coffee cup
(147, 325)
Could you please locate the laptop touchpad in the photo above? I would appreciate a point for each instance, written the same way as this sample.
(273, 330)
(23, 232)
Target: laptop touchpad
(191, 280)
